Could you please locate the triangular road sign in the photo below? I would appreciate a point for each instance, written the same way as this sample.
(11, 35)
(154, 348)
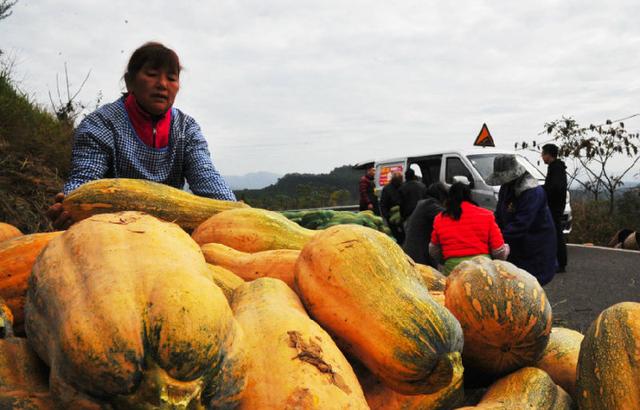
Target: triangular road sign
(484, 138)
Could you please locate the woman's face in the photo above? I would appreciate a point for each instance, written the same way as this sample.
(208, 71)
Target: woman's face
(155, 89)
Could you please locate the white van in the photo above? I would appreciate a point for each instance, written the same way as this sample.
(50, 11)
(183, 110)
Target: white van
(474, 164)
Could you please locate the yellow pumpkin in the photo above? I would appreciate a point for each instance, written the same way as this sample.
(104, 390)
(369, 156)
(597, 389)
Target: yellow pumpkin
(277, 264)
(434, 280)
(123, 309)
(252, 230)
(8, 231)
(226, 280)
(560, 358)
(293, 364)
(360, 286)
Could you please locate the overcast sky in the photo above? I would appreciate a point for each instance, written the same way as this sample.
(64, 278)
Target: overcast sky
(300, 86)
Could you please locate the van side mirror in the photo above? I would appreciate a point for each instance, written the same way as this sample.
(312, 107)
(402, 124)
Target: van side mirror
(463, 179)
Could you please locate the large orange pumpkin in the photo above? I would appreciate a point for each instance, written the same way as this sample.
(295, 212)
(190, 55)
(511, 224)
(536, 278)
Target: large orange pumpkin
(527, 388)
(360, 286)
(504, 313)
(560, 358)
(17, 257)
(293, 363)
(8, 231)
(252, 230)
(609, 361)
(123, 309)
(277, 264)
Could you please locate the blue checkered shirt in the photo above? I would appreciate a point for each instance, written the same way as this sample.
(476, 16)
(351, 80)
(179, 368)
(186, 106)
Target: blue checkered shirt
(106, 146)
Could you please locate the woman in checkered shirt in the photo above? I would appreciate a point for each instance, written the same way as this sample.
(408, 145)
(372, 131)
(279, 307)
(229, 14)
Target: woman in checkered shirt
(141, 135)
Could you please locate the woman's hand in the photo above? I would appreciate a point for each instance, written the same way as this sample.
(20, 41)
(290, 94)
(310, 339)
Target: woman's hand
(59, 217)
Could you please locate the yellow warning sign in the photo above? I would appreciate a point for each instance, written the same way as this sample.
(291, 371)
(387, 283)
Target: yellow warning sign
(484, 138)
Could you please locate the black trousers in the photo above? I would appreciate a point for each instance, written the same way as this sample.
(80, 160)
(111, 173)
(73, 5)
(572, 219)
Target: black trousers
(562, 245)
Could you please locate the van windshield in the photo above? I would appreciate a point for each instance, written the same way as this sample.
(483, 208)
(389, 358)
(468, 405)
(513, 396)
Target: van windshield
(483, 163)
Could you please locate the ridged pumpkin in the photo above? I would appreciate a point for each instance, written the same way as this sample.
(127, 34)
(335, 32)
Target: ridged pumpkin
(124, 194)
(435, 280)
(527, 388)
(359, 285)
(252, 230)
(23, 376)
(226, 280)
(17, 257)
(504, 313)
(294, 363)
(380, 397)
(277, 264)
(122, 308)
(560, 358)
(609, 361)
(8, 231)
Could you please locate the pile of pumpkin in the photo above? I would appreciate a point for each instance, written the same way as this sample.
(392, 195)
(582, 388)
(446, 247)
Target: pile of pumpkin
(251, 311)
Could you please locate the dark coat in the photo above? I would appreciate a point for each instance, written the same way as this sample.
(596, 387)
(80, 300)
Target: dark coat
(527, 226)
(367, 195)
(418, 231)
(555, 186)
(389, 198)
(412, 191)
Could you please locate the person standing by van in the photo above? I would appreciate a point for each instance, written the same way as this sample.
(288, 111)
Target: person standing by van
(411, 191)
(555, 186)
(368, 198)
(464, 230)
(524, 218)
(390, 201)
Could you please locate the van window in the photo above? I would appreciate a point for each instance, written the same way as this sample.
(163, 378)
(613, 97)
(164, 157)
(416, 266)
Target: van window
(455, 167)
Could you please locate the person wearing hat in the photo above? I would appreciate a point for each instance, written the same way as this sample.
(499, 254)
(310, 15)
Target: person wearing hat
(523, 216)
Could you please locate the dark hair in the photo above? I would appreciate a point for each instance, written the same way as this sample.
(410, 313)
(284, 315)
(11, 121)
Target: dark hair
(458, 193)
(438, 191)
(409, 174)
(155, 54)
(550, 149)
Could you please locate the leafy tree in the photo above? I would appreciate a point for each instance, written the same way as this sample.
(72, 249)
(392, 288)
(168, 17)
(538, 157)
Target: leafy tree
(592, 150)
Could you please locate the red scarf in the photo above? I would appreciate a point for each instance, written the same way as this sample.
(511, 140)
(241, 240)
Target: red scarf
(144, 124)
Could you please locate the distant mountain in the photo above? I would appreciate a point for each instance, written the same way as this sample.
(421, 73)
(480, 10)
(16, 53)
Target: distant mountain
(253, 180)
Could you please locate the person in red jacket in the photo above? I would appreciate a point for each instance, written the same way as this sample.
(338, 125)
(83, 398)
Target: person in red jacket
(464, 230)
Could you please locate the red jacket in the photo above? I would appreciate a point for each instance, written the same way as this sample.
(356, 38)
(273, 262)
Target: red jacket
(475, 233)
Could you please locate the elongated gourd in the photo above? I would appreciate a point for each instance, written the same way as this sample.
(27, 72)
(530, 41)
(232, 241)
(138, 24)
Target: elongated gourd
(527, 388)
(294, 363)
(17, 257)
(277, 264)
(609, 360)
(226, 280)
(8, 231)
(504, 313)
(360, 286)
(560, 358)
(252, 230)
(122, 308)
(111, 195)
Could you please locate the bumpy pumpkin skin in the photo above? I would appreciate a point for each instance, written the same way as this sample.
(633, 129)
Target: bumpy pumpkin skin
(358, 284)
(560, 358)
(434, 280)
(293, 364)
(278, 264)
(17, 257)
(504, 313)
(609, 361)
(111, 195)
(122, 308)
(8, 231)
(226, 280)
(380, 397)
(527, 388)
(252, 230)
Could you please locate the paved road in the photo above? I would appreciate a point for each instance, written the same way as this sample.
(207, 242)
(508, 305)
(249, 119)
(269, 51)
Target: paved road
(596, 278)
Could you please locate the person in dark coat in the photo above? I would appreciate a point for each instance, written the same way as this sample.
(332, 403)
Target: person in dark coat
(420, 224)
(390, 201)
(368, 198)
(555, 185)
(523, 216)
(412, 191)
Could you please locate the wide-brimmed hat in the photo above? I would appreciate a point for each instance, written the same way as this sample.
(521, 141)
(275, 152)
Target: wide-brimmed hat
(506, 168)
